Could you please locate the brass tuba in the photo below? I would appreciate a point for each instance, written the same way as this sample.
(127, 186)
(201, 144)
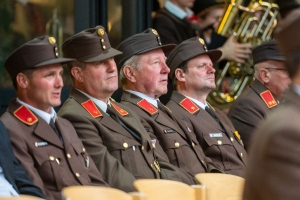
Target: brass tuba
(253, 23)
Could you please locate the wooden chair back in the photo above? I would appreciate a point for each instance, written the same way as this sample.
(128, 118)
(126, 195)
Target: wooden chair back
(98, 193)
(21, 197)
(222, 186)
(159, 189)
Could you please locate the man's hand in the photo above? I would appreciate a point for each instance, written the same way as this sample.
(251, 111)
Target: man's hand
(234, 51)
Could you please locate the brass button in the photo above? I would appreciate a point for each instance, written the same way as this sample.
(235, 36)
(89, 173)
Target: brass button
(77, 174)
(231, 139)
(143, 147)
(177, 144)
(153, 145)
(69, 155)
(51, 157)
(219, 142)
(241, 154)
(193, 144)
(104, 47)
(83, 149)
(102, 40)
(125, 145)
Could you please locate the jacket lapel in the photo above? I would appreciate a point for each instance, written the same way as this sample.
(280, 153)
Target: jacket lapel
(157, 116)
(98, 114)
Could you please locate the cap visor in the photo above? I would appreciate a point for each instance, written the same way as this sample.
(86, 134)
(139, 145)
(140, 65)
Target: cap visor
(102, 56)
(55, 61)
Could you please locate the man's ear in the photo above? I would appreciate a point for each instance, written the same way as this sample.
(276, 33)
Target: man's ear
(130, 73)
(22, 80)
(77, 74)
(264, 75)
(180, 75)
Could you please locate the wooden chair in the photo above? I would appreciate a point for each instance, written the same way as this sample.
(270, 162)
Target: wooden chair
(159, 189)
(98, 193)
(222, 186)
(21, 197)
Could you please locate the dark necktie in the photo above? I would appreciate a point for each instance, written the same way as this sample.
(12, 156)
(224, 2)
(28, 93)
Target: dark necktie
(53, 126)
(212, 113)
(112, 113)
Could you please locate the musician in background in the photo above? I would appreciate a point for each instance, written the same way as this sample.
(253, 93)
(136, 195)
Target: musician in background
(209, 13)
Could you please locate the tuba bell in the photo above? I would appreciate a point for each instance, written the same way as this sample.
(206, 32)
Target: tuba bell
(253, 23)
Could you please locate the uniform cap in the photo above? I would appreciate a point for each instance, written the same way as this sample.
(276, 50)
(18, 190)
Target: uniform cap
(35, 53)
(267, 51)
(188, 49)
(89, 45)
(140, 43)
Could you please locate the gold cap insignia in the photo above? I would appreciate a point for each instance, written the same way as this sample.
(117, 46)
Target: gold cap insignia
(154, 32)
(201, 41)
(52, 40)
(100, 32)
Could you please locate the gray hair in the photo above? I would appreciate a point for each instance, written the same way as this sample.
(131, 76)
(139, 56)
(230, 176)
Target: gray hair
(132, 62)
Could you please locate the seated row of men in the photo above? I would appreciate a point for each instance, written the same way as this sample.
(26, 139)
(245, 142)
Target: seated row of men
(94, 140)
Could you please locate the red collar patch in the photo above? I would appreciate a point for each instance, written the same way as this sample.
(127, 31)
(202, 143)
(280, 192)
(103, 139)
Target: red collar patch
(25, 115)
(120, 110)
(91, 108)
(147, 106)
(268, 98)
(187, 104)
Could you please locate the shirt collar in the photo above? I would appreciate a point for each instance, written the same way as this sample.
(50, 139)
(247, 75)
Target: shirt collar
(144, 96)
(44, 115)
(101, 104)
(178, 12)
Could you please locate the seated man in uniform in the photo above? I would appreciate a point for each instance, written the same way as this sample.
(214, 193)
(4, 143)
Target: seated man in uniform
(112, 134)
(193, 76)
(254, 104)
(144, 74)
(274, 167)
(13, 178)
(46, 145)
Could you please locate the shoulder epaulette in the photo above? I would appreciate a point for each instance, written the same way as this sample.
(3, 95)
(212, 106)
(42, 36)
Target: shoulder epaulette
(25, 115)
(91, 108)
(268, 98)
(144, 104)
(187, 104)
(120, 110)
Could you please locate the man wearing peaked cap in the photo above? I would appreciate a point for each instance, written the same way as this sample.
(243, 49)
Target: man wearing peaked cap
(274, 161)
(193, 77)
(44, 143)
(254, 104)
(112, 134)
(144, 74)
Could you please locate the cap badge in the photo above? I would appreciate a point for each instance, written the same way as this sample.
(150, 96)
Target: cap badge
(52, 40)
(100, 32)
(154, 32)
(203, 43)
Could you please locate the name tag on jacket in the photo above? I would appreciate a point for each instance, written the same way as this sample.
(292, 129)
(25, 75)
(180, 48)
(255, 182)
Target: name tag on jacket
(216, 135)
